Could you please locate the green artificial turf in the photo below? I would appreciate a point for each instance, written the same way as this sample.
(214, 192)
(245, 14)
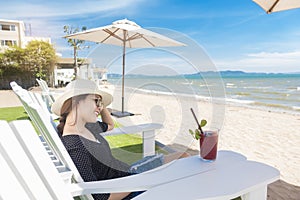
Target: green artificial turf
(127, 147)
(13, 113)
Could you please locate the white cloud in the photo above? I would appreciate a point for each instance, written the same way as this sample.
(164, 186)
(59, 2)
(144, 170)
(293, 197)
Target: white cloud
(285, 55)
(265, 61)
(46, 19)
(142, 58)
(21, 9)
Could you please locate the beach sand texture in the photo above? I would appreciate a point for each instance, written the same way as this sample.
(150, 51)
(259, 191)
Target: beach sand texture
(261, 135)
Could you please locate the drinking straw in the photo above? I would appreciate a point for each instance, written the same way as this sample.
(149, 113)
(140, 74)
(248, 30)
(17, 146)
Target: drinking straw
(199, 126)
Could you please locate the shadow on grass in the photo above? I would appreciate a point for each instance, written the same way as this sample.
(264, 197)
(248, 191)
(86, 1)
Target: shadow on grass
(132, 153)
(128, 154)
(23, 118)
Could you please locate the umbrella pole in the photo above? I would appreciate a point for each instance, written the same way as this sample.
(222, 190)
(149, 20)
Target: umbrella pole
(123, 113)
(123, 72)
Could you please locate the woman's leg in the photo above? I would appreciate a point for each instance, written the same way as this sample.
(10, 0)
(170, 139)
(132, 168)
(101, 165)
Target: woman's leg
(174, 156)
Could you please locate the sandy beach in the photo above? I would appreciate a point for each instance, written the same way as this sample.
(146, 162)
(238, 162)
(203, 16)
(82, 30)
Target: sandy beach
(260, 134)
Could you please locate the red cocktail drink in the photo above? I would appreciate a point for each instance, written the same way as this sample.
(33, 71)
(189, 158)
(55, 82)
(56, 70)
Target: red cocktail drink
(209, 145)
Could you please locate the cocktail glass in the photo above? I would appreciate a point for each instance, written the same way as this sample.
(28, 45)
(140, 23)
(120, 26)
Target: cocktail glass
(209, 145)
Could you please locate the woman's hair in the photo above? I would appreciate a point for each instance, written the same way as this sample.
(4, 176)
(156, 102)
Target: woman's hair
(66, 109)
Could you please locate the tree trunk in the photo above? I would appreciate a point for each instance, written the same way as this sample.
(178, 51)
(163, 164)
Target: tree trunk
(75, 62)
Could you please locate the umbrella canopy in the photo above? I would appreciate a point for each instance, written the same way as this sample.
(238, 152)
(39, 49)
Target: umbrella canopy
(125, 33)
(277, 5)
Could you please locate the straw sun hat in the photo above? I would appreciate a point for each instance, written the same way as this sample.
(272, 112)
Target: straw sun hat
(79, 87)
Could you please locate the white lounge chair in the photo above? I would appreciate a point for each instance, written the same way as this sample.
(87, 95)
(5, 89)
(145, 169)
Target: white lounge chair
(231, 175)
(25, 175)
(47, 95)
(41, 117)
(38, 177)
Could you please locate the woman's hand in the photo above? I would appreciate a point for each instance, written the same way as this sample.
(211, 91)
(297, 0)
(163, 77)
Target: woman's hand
(106, 117)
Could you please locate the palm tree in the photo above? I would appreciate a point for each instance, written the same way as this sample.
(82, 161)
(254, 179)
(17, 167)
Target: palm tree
(76, 44)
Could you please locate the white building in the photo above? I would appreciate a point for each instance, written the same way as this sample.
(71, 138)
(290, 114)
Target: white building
(13, 32)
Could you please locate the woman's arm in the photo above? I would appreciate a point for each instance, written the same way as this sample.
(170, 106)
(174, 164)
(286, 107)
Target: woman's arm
(106, 117)
(118, 196)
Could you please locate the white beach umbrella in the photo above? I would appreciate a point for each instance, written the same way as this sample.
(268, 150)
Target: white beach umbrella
(277, 5)
(125, 33)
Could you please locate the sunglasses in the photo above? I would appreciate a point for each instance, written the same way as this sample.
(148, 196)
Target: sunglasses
(98, 102)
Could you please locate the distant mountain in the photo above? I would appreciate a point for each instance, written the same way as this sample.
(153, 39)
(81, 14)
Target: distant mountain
(114, 75)
(227, 73)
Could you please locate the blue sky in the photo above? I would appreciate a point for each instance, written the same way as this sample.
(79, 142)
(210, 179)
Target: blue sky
(235, 34)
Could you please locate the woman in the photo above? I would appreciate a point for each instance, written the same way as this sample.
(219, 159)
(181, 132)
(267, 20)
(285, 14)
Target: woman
(78, 108)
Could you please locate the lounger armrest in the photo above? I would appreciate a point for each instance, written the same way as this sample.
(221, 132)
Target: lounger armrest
(148, 131)
(133, 129)
(175, 170)
(125, 184)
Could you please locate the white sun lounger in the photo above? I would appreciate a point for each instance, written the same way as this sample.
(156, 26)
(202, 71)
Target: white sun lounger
(41, 117)
(46, 93)
(28, 166)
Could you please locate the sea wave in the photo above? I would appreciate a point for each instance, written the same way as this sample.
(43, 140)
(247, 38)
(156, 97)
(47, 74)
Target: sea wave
(259, 92)
(273, 98)
(296, 108)
(257, 87)
(273, 105)
(243, 94)
(184, 95)
(268, 92)
(187, 83)
(239, 101)
(231, 85)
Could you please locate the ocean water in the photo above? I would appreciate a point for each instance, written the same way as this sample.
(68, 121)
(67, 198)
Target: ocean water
(275, 92)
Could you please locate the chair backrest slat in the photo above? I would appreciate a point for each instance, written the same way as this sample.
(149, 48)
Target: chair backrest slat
(43, 122)
(46, 93)
(27, 165)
